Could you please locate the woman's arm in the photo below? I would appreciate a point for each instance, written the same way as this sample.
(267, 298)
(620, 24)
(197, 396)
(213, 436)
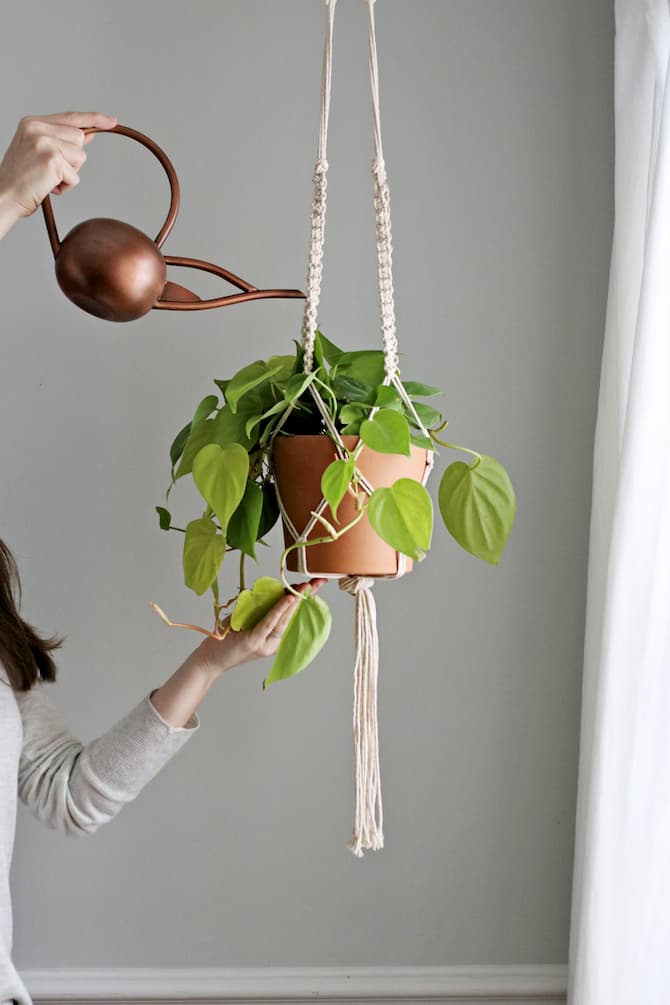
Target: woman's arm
(76, 787)
(44, 157)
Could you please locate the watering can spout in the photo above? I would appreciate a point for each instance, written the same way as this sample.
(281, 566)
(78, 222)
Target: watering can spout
(178, 298)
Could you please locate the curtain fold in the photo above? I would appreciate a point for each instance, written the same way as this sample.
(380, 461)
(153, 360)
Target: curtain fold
(620, 934)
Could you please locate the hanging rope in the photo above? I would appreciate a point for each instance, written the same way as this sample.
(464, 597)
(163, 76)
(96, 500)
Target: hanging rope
(367, 830)
(368, 813)
(382, 213)
(318, 230)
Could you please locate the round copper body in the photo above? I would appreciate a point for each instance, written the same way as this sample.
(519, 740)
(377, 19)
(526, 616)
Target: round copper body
(110, 269)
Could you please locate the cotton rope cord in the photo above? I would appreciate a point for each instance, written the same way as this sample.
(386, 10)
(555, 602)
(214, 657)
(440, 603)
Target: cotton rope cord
(367, 832)
(368, 829)
(318, 229)
(382, 212)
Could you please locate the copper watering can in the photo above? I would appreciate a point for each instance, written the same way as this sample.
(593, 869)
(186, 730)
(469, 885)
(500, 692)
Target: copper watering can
(116, 272)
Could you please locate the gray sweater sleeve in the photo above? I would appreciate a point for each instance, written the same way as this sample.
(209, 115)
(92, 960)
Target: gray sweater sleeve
(76, 787)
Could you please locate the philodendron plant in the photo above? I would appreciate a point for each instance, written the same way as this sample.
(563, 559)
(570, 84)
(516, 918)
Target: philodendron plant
(225, 452)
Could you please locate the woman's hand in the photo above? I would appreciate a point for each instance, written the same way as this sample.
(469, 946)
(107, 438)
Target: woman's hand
(263, 640)
(44, 157)
(178, 698)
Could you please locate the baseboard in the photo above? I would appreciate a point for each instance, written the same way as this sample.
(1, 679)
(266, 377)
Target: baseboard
(503, 985)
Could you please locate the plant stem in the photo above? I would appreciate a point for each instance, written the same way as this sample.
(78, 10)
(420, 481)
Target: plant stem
(242, 557)
(325, 387)
(216, 634)
(314, 540)
(452, 446)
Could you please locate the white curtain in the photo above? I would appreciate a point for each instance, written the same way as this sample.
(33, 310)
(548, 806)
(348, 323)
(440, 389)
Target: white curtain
(620, 938)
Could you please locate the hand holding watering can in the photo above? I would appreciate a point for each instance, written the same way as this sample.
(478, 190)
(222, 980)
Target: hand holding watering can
(113, 270)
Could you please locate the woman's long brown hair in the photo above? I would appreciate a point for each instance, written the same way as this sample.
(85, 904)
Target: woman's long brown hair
(25, 655)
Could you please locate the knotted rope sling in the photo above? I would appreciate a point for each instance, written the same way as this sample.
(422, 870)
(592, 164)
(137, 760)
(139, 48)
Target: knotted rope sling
(367, 832)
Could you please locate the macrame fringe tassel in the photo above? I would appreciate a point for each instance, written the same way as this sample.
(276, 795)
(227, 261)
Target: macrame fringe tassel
(367, 831)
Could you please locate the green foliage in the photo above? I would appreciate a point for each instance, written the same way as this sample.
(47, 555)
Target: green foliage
(248, 378)
(252, 605)
(417, 390)
(269, 511)
(244, 524)
(478, 506)
(200, 437)
(402, 515)
(226, 449)
(164, 518)
(204, 549)
(335, 481)
(387, 432)
(220, 474)
(304, 637)
(204, 409)
(178, 444)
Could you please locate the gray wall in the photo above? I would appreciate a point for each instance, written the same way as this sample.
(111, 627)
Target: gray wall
(498, 137)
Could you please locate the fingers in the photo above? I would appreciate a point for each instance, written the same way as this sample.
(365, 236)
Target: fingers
(70, 178)
(81, 120)
(280, 613)
(72, 158)
(278, 618)
(69, 134)
(72, 153)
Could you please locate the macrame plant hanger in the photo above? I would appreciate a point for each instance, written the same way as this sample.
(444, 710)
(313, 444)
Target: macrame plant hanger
(367, 832)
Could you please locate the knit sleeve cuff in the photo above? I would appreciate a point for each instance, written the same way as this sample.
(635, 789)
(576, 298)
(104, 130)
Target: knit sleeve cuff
(191, 726)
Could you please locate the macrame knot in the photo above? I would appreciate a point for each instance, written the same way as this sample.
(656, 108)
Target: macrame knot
(321, 167)
(367, 830)
(355, 584)
(379, 168)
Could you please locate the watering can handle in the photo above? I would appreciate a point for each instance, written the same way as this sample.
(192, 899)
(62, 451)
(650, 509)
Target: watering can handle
(134, 134)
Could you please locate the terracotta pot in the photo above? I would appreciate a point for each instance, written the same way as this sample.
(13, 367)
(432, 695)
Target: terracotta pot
(299, 463)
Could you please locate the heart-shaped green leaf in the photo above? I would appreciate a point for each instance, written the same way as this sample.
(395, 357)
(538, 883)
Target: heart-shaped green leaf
(270, 510)
(428, 415)
(198, 438)
(388, 397)
(247, 378)
(297, 385)
(478, 506)
(387, 432)
(252, 605)
(330, 351)
(353, 413)
(230, 427)
(282, 367)
(350, 389)
(255, 420)
(335, 481)
(243, 525)
(220, 474)
(422, 441)
(402, 515)
(319, 358)
(418, 390)
(305, 635)
(204, 409)
(204, 549)
(366, 365)
(179, 443)
(164, 518)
